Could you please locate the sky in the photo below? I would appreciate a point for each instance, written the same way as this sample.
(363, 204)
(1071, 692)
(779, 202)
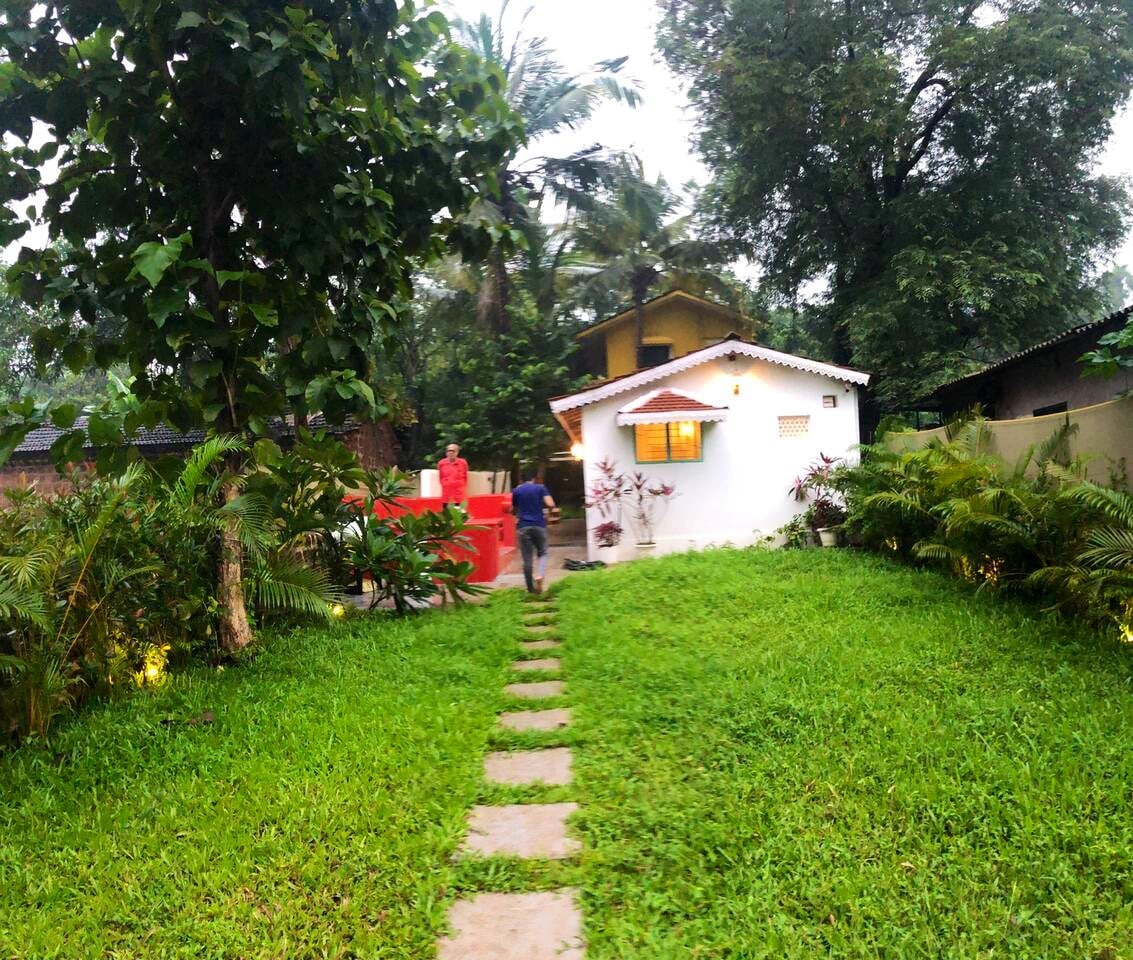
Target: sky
(583, 32)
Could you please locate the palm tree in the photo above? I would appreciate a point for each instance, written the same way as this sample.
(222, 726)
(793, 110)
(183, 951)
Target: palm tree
(549, 99)
(637, 239)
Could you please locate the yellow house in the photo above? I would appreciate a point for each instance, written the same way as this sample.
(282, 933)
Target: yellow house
(676, 323)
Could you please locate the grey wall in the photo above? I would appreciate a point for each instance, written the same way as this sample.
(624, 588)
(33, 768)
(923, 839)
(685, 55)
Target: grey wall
(1054, 376)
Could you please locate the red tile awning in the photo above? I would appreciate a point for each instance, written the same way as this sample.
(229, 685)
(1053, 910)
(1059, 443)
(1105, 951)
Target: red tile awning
(669, 406)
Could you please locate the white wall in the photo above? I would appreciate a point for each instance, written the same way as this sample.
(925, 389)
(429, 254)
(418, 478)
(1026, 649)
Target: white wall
(479, 482)
(739, 492)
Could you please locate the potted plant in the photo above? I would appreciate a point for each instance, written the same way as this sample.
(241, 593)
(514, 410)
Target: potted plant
(644, 500)
(824, 513)
(648, 501)
(827, 517)
(605, 496)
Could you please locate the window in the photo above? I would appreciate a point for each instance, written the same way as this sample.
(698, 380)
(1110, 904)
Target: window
(667, 442)
(654, 354)
(794, 426)
(1051, 408)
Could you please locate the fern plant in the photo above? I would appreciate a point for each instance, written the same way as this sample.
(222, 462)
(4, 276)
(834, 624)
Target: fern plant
(1035, 525)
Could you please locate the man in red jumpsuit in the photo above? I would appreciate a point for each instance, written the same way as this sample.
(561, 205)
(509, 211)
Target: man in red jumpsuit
(454, 476)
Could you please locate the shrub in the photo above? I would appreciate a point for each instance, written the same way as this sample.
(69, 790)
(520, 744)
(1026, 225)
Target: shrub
(644, 500)
(825, 510)
(103, 587)
(1036, 526)
(409, 558)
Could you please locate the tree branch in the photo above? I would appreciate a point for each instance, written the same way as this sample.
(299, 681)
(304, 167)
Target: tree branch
(924, 137)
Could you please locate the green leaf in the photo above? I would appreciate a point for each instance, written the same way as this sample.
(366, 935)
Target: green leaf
(152, 259)
(188, 20)
(103, 429)
(265, 315)
(64, 415)
(161, 303)
(223, 276)
(267, 453)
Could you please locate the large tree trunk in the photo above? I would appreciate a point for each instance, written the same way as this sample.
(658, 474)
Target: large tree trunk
(235, 631)
(639, 335)
(495, 295)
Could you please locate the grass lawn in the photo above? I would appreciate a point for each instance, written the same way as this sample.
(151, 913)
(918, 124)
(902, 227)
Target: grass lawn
(314, 817)
(816, 753)
(777, 754)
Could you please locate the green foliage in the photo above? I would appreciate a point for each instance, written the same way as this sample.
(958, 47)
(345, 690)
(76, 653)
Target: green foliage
(116, 577)
(549, 100)
(1114, 353)
(933, 161)
(796, 532)
(1036, 526)
(495, 391)
(218, 191)
(305, 489)
(410, 559)
(247, 190)
(20, 374)
(639, 243)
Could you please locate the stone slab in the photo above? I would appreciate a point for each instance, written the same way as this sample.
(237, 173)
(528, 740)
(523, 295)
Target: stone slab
(523, 768)
(550, 663)
(521, 830)
(536, 691)
(540, 644)
(515, 926)
(536, 719)
(539, 627)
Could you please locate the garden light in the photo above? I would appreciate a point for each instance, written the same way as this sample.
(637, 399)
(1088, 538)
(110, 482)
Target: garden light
(338, 611)
(577, 450)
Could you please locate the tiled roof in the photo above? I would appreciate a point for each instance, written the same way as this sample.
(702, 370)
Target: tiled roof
(668, 401)
(161, 439)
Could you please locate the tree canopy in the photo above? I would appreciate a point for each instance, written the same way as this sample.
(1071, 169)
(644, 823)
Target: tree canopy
(242, 185)
(245, 189)
(931, 162)
(549, 99)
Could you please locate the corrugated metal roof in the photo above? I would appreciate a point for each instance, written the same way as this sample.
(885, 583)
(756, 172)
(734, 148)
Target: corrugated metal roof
(1066, 335)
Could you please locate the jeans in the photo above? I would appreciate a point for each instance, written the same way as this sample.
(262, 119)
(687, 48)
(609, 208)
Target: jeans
(532, 543)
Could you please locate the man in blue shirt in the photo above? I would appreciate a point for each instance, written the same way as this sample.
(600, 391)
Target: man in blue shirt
(528, 501)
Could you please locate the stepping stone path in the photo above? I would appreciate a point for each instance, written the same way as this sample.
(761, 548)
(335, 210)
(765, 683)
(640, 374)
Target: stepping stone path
(536, 691)
(549, 664)
(536, 719)
(522, 926)
(551, 767)
(540, 644)
(515, 926)
(521, 830)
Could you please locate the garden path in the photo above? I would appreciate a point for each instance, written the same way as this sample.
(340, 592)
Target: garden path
(523, 926)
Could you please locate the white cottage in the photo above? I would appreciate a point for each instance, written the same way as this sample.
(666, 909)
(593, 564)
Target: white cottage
(728, 427)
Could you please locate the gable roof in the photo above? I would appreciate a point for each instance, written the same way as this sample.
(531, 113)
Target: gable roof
(731, 345)
(666, 405)
(671, 296)
(1093, 328)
